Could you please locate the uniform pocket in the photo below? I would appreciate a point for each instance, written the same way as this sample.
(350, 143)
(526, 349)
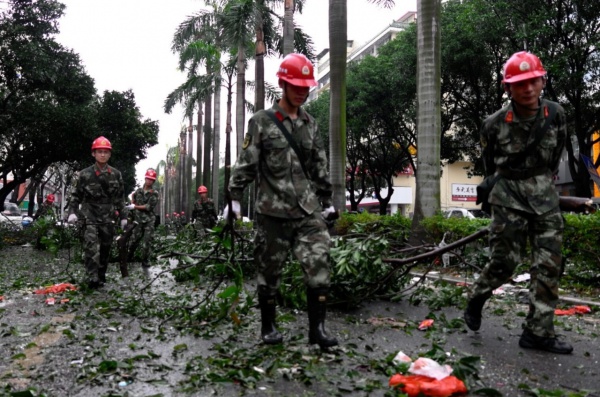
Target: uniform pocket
(276, 150)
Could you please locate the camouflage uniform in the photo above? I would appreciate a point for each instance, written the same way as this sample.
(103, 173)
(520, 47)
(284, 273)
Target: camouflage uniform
(288, 204)
(100, 195)
(524, 207)
(143, 233)
(46, 209)
(204, 214)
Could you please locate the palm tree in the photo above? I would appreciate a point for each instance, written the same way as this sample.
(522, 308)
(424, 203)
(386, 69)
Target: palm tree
(338, 38)
(427, 201)
(198, 41)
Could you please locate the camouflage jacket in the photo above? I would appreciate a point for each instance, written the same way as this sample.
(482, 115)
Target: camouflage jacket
(283, 190)
(99, 193)
(204, 212)
(147, 198)
(503, 136)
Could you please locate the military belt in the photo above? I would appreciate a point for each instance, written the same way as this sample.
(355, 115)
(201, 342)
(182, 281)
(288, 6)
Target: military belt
(509, 173)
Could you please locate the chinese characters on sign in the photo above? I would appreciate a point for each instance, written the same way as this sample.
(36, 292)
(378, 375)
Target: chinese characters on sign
(462, 192)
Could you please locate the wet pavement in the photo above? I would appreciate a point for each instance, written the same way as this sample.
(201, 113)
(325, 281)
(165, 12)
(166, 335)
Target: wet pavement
(88, 347)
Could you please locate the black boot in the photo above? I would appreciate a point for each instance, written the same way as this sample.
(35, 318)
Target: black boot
(317, 309)
(553, 345)
(103, 266)
(472, 313)
(102, 275)
(124, 269)
(268, 330)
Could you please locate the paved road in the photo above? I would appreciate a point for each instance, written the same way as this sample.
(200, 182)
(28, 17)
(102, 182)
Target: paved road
(67, 350)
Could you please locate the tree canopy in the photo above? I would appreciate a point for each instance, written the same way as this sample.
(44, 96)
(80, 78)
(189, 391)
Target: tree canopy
(49, 109)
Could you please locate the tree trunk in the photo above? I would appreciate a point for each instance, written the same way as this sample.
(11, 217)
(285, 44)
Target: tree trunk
(240, 108)
(182, 168)
(214, 191)
(206, 169)
(288, 27)
(259, 61)
(427, 201)
(199, 146)
(337, 116)
(228, 130)
(188, 173)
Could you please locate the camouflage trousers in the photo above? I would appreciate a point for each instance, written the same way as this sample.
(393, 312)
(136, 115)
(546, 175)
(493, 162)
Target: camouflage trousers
(307, 238)
(142, 237)
(97, 240)
(509, 232)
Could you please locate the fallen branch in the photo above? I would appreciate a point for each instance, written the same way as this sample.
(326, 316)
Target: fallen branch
(436, 252)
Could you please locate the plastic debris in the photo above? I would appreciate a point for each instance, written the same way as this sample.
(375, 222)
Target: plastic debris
(573, 310)
(419, 385)
(56, 289)
(402, 358)
(50, 301)
(522, 277)
(430, 368)
(425, 324)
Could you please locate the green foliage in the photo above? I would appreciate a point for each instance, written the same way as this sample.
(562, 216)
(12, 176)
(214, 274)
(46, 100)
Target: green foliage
(47, 234)
(439, 295)
(580, 249)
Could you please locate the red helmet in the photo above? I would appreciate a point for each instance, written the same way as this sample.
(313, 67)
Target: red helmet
(202, 189)
(521, 66)
(297, 70)
(182, 213)
(151, 174)
(101, 143)
(166, 215)
(50, 198)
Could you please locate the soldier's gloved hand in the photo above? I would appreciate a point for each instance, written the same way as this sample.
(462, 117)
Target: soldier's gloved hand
(130, 206)
(72, 219)
(123, 223)
(236, 208)
(329, 213)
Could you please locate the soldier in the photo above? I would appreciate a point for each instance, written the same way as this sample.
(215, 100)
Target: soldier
(99, 192)
(176, 222)
(204, 215)
(144, 201)
(46, 209)
(167, 223)
(522, 144)
(182, 219)
(293, 188)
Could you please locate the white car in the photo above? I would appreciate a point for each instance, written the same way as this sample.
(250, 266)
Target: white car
(11, 214)
(458, 213)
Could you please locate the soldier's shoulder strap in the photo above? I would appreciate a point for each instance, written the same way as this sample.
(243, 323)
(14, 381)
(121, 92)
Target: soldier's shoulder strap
(277, 119)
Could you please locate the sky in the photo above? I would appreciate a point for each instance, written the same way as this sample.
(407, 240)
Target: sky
(126, 45)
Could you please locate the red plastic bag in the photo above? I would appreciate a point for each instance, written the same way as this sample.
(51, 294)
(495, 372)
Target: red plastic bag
(573, 310)
(431, 387)
(425, 324)
(56, 289)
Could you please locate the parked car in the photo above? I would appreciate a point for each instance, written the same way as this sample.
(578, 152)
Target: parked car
(11, 209)
(11, 214)
(477, 213)
(458, 213)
